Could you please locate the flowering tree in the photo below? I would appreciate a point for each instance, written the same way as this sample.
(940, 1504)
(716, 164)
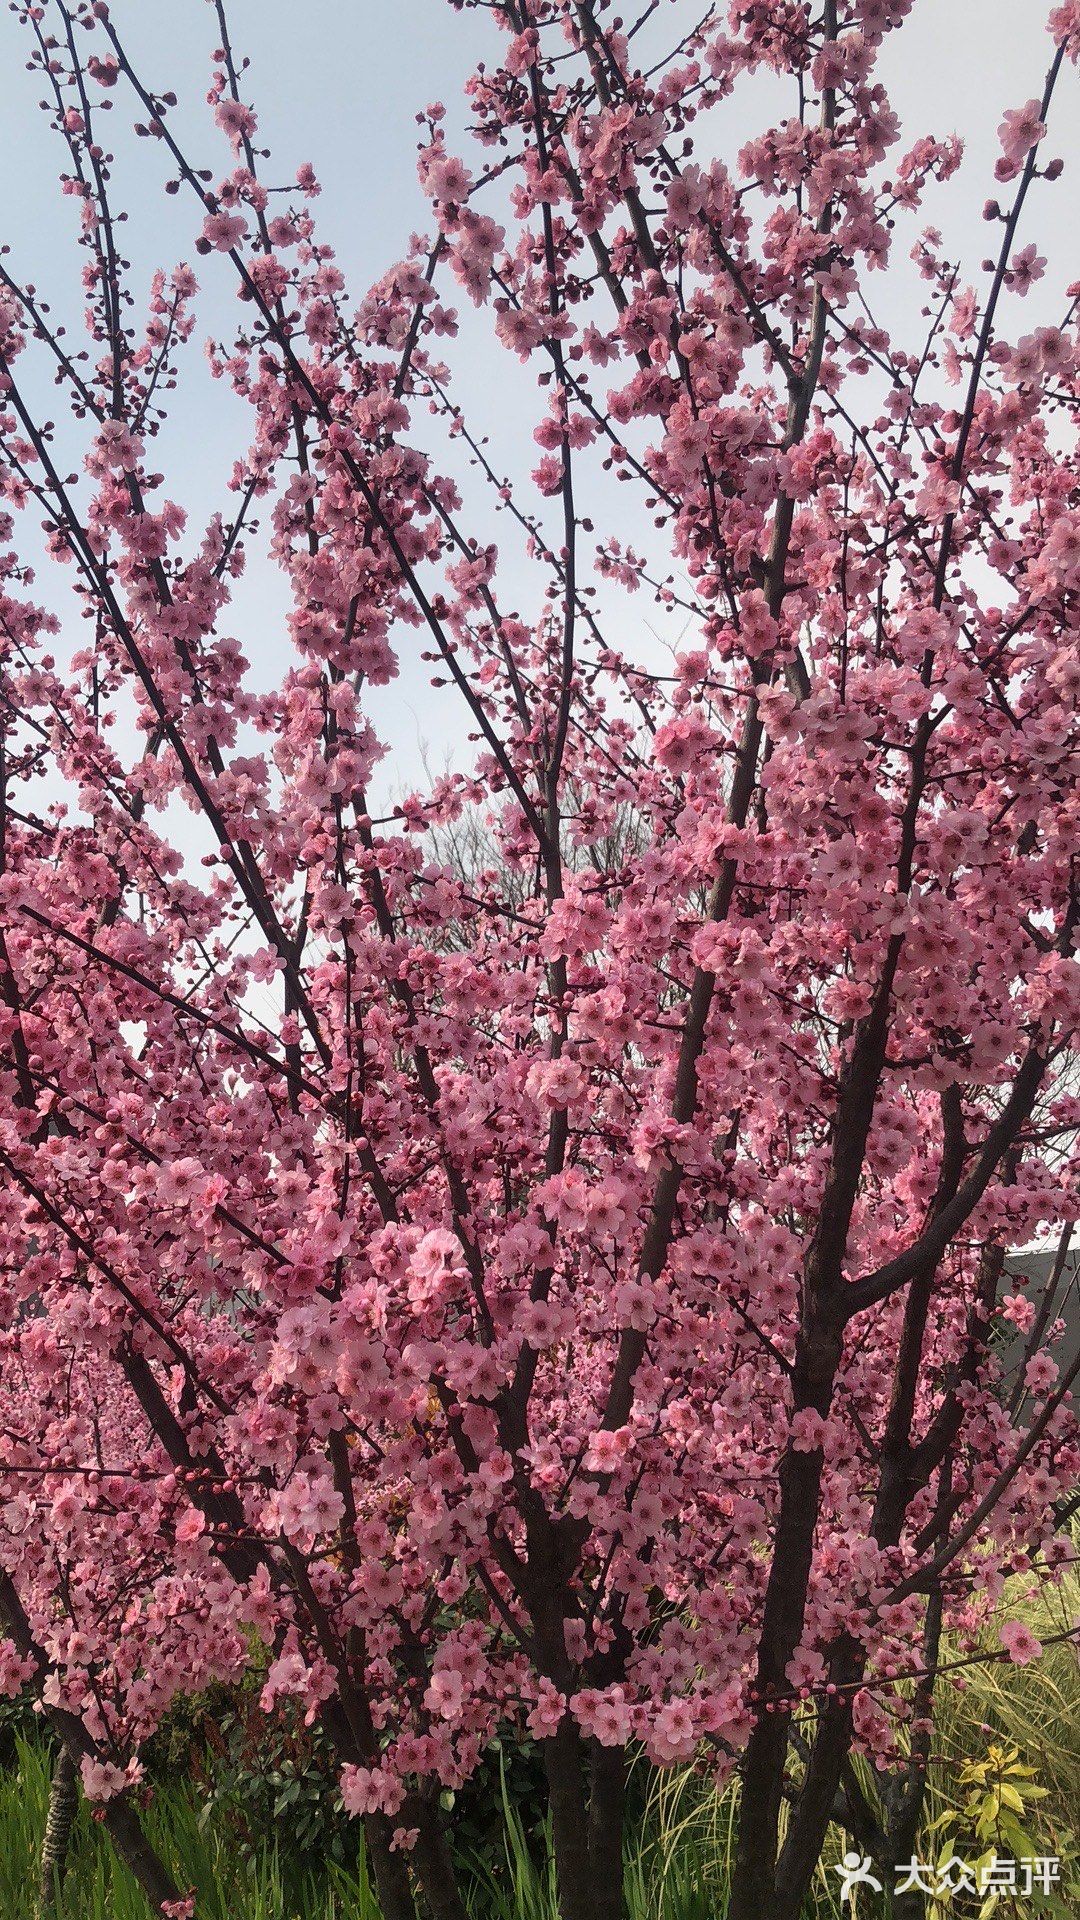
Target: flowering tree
(556, 1289)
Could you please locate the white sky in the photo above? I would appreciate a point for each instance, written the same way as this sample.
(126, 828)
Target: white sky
(338, 82)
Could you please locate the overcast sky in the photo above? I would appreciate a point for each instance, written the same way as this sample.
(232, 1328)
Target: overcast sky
(338, 82)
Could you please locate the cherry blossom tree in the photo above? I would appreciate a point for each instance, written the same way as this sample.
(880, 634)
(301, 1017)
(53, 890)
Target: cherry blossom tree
(531, 1258)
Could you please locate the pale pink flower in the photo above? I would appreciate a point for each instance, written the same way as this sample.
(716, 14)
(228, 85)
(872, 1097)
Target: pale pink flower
(1020, 1643)
(446, 1694)
(1019, 131)
(807, 1431)
(224, 231)
(371, 1790)
(101, 1780)
(1040, 1373)
(606, 1450)
(235, 119)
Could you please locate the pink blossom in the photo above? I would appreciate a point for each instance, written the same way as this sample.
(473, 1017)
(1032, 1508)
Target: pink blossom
(606, 1450)
(1020, 130)
(541, 1323)
(224, 231)
(681, 744)
(101, 1780)
(447, 179)
(546, 1715)
(806, 1668)
(311, 1504)
(1016, 1308)
(671, 1735)
(236, 120)
(557, 1083)
(446, 1694)
(180, 1181)
(371, 1790)
(1040, 1373)
(605, 1714)
(15, 1671)
(1020, 1643)
(1026, 266)
(808, 1431)
(686, 196)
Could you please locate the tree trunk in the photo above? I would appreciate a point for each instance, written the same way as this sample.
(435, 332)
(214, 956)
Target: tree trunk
(142, 1861)
(569, 1822)
(607, 1798)
(389, 1870)
(63, 1804)
(909, 1905)
(348, 1725)
(432, 1861)
(753, 1885)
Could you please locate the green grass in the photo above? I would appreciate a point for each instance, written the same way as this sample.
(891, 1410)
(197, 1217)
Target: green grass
(677, 1866)
(201, 1853)
(1035, 1708)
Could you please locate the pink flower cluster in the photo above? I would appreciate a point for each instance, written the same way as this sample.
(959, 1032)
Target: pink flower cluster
(527, 1255)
